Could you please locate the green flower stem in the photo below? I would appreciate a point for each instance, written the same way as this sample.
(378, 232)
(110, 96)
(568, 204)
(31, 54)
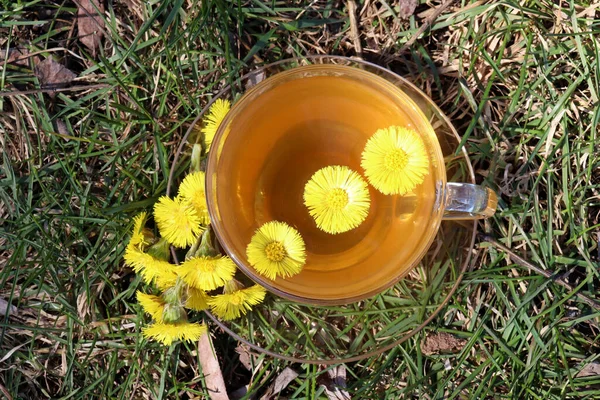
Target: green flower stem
(196, 158)
(192, 251)
(174, 310)
(206, 248)
(160, 250)
(173, 295)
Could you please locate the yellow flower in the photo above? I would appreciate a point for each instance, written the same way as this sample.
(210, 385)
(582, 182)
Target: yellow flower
(165, 281)
(276, 249)
(197, 299)
(149, 267)
(231, 305)
(337, 198)
(168, 333)
(177, 221)
(192, 191)
(152, 305)
(137, 235)
(395, 160)
(213, 119)
(207, 273)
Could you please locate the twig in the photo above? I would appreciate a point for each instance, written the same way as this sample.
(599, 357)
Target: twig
(5, 393)
(425, 25)
(532, 267)
(354, 28)
(51, 90)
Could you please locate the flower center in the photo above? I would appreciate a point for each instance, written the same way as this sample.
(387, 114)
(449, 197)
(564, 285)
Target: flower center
(396, 160)
(275, 252)
(337, 199)
(207, 266)
(236, 299)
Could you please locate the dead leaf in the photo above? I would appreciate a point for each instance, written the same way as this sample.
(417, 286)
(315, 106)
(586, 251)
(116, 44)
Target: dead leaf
(7, 308)
(407, 8)
(245, 356)
(591, 369)
(240, 393)
(16, 56)
(11, 352)
(90, 24)
(255, 78)
(441, 343)
(83, 308)
(281, 382)
(61, 127)
(53, 75)
(334, 383)
(211, 369)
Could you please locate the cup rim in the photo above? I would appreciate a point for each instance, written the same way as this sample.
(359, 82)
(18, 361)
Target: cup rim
(471, 176)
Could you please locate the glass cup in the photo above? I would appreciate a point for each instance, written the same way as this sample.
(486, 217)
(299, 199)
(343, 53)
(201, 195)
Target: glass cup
(328, 334)
(254, 163)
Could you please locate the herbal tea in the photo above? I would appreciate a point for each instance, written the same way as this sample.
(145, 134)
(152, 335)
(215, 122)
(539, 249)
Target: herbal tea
(279, 137)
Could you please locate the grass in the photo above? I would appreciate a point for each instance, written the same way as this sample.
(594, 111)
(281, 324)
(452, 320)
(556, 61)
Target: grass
(519, 80)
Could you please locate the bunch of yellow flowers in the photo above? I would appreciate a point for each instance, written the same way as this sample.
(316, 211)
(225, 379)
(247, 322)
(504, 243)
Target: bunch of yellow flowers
(205, 279)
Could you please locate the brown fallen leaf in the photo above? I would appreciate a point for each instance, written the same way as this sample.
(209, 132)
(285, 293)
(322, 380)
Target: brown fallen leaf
(90, 24)
(53, 75)
(407, 8)
(244, 356)
(334, 383)
(441, 343)
(281, 382)
(591, 369)
(211, 370)
(61, 127)
(7, 308)
(240, 393)
(17, 56)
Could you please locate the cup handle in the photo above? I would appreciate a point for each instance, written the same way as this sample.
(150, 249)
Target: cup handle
(468, 201)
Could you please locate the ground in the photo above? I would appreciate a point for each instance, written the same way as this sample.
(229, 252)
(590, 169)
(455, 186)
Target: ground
(518, 79)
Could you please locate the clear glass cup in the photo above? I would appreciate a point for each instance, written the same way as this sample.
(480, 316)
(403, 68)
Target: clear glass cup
(377, 254)
(393, 308)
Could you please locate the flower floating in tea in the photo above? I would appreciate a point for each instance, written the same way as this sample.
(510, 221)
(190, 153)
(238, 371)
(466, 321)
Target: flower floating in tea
(168, 333)
(177, 221)
(191, 191)
(337, 198)
(153, 305)
(216, 115)
(236, 301)
(276, 249)
(207, 273)
(395, 160)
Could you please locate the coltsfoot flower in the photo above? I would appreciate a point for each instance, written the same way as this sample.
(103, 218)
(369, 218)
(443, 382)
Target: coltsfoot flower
(337, 198)
(395, 160)
(276, 249)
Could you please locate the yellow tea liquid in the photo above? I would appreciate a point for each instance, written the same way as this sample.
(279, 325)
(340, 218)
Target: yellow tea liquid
(278, 139)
